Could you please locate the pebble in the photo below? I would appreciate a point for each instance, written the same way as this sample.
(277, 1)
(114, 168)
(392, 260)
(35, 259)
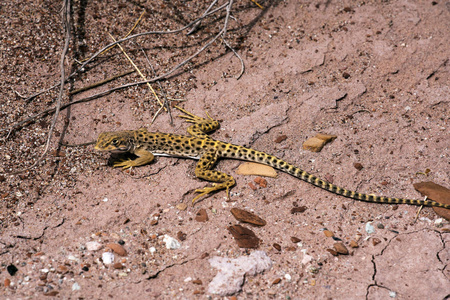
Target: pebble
(118, 249)
(171, 243)
(333, 252)
(277, 246)
(249, 168)
(376, 241)
(76, 286)
(93, 246)
(62, 269)
(295, 239)
(306, 258)
(276, 281)
(328, 233)
(181, 206)
(300, 209)
(315, 144)
(118, 266)
(108, 258)
(7, 282)
(353, 244)
(439, 222)
(201, 216)
(358, 166)
(340, 248)
(369, 228)
(261, 182)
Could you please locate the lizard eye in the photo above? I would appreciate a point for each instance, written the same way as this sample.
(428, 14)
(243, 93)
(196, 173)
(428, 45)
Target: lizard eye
(115, 142)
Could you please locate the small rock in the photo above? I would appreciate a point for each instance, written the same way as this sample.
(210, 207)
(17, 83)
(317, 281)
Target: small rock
(280, 138)
(353, 244)
(93, 246)
(118, 266)
(306, 258)
(197, 281)
(439, 223)
(181, 206)
(358, 166)
(171, 243)
(51, 293)
(376, 241)
(181, 236)
(61, 269)
(201, 216)
(333, 252)
(300, 209)
(276, 281)
(250, 168)
(295, 239)
(369, 228)
(328, 233)
(252, 186)
(261, 182)
(7, 282)
(380, 226)
(12, 270)
(315, 144)
(76, 286)
(118, 249)
(277, 246)
(340, 248)
(108, 258)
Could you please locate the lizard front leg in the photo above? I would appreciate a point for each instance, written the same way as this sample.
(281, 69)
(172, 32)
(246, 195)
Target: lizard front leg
(203, 171)
(143, 157)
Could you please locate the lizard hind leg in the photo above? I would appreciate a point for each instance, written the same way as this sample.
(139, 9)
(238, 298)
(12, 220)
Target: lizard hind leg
(203, 171)
(201, 125)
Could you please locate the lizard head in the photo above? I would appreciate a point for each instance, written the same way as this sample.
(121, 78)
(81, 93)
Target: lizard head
(118, 141)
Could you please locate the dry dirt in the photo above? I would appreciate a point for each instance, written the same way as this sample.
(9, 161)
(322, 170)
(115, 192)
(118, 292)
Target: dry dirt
(373, 73)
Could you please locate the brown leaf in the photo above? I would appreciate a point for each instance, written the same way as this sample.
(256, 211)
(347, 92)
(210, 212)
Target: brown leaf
(436, 193)
(247, 217)
(245, 238)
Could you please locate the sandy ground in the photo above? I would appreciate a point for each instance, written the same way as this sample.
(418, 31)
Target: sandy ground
(373, 73)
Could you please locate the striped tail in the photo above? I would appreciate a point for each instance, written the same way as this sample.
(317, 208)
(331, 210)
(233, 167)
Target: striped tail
(299, 173)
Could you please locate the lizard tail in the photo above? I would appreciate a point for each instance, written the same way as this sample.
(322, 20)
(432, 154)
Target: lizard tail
(281, 165)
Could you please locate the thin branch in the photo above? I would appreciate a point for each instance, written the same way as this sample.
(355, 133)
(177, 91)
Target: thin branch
(99, 83)
(83, 65)
(139, 71)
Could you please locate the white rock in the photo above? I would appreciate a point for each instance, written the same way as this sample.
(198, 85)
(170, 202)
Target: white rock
(93, 246)
(108, 258)
(230, 278)
(369, 228)
(171, 243)
(76, 287)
